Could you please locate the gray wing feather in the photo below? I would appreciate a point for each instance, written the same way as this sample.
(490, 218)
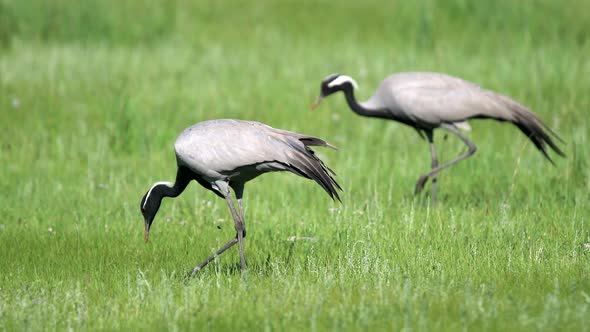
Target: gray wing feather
(217, 147)
(430, 99)
(305, 163)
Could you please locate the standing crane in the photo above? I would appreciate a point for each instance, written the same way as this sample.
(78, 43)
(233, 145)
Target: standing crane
(426, 101)
(220, 154)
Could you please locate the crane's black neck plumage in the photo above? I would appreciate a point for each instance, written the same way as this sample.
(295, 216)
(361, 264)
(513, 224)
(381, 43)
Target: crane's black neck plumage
(159, 191)
(382, 113)
(362, 110)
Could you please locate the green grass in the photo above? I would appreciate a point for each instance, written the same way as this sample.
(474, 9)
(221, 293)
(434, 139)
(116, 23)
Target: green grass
(93, 95)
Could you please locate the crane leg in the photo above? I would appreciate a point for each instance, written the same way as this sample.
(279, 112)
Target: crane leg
(239, 225)
(242, 216)
(434, 164)
(471, 150)
(239, 219)
(212, 257)
(239, 190)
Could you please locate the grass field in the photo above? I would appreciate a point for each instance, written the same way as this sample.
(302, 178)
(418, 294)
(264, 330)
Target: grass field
(94, 93)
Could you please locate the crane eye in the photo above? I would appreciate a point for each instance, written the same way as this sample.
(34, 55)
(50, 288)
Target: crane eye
(142, 210)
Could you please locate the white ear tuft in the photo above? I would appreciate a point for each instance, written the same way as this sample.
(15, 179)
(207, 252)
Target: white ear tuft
(147, 196)
(343, 79)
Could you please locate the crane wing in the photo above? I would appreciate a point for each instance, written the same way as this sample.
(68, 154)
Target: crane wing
(432, 99)
(221, 147)
(429, 99)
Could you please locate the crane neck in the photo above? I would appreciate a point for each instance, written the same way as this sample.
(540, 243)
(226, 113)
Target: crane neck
(361, 109)
(173, 191)
(167, 189)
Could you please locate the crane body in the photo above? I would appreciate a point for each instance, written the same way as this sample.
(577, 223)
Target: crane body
(223, 154)
(426, 101)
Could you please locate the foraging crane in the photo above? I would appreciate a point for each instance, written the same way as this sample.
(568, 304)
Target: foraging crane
(426, 101)
(220, 154)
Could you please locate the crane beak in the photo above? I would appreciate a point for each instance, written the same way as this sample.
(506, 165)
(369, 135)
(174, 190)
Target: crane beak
(146, 235)
(317, 102)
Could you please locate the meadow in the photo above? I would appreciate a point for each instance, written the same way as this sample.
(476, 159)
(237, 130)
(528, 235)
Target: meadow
(94, 93)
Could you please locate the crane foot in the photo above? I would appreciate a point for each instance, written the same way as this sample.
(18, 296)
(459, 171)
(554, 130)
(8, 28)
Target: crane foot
(420, 184)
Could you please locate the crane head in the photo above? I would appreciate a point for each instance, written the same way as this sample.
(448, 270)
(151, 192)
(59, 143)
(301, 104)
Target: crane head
(149, 206)
(334, 83)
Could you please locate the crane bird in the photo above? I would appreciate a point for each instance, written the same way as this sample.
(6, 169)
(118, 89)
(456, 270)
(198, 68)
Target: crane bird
(426, 101)
(225, 153)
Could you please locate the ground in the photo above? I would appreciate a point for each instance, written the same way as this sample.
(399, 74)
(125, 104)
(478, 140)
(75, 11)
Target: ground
(94, 93)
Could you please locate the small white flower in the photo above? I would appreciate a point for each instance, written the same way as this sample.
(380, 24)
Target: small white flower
(50, 229)
(15, 103)
(301, 238)
(334, 210)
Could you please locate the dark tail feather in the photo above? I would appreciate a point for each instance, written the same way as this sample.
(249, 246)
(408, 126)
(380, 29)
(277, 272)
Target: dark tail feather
(314, 171)
(305, 139)
(534, 130)
(537, 131)
(314, 141)
(307, 164)
(552, 133)
(539, 141)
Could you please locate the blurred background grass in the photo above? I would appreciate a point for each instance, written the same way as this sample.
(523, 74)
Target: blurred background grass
(93, 94)
(424, 24)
